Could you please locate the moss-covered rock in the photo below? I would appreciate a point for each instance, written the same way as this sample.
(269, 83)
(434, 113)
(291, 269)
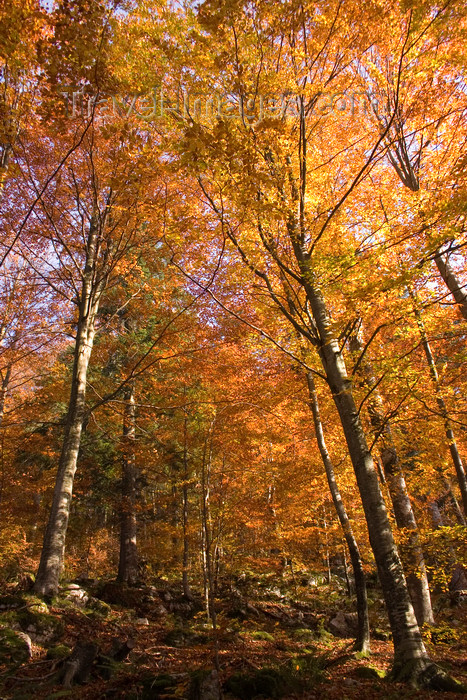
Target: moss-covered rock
(43, 628)
(381, 634)
(11, 602)
(303, 634)
(180, 637)
(369, 673)
(302, 673)
(15, 646)
(204, 685)
(266, 682)
(59, 651)
(99, 606)
(261, 635)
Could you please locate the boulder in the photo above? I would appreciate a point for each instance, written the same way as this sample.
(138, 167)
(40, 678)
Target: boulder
(42, 628)
(344, 624)
(98, 606)
(15, 646)
(77, 596)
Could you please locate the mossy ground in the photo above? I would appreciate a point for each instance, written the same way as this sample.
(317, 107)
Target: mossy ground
(277, 646)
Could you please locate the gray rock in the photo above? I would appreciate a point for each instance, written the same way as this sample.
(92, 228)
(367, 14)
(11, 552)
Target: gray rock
(351, 682)
(344, 624)
(209, 687)
(99, 606)
(78, 596)
(159, 610)
(276, 592)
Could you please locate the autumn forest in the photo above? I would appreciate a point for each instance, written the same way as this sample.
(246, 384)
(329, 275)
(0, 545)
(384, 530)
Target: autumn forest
(233, 325)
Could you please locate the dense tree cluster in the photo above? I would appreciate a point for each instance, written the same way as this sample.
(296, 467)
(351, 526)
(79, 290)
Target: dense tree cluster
(233, 297)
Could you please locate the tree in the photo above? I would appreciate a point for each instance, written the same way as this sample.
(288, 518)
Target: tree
(256, 181)
(362, 642)
(103, 188)
(414, 564)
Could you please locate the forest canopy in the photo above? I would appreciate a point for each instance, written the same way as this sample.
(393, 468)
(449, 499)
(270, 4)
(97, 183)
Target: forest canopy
(233, 307)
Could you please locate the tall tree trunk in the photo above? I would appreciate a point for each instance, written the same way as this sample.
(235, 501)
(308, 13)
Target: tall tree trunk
(208, 541)
(362, 642)
(455, 286)
(410, 657)
(4, 384)
(5, 152)
(456, 458)
(53, 548)
(413, 559)
(186, 545)
(411, 662)
(128, 561)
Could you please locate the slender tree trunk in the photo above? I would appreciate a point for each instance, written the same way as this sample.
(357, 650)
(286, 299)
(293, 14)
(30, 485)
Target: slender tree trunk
(449, 496)
(4, 161)
(455, 286)
(208, 541)
(413, 559)
(456, 458)
(128, 561)
(346, 572)
(5, 381)
(362, 642)
(410, 657)
(326, 547)
(53, 548)
(207, 530)
(455, 505)
(186, 545)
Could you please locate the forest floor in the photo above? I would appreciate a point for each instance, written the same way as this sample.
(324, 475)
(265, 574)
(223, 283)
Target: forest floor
(274, 639)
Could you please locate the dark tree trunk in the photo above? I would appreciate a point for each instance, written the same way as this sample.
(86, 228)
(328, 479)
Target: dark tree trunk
(128, 561)
(4, 384)
(186, 545)
(455, 286)
(78, 666)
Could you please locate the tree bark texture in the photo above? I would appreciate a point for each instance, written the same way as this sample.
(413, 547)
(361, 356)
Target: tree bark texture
(413, 559)
(53, 548)
(362, 642)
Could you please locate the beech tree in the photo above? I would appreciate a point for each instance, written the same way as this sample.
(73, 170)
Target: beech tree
(189, 233)
(260, 192)
(89, 224)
